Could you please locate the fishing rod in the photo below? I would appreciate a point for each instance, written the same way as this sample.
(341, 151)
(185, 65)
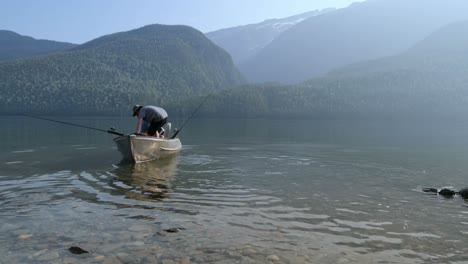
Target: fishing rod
(110, 131)
(188, 119)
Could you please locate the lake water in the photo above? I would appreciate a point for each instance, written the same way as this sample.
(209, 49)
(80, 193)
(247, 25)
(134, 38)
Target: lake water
(241, 191)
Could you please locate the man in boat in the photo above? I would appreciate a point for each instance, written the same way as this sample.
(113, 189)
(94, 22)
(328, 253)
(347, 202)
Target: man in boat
(155, 116)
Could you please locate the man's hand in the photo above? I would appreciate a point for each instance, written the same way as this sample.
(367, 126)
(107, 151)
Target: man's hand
(140, 121)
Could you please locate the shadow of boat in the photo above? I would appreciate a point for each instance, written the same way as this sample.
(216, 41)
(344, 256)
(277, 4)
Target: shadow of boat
(147, 181)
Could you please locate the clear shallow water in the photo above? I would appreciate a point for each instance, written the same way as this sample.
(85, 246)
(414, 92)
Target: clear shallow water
(241, 191)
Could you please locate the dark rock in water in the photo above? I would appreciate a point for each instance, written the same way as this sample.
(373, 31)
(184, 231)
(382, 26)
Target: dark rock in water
(432, 190)
(77, 250)
(463, 193)
(172, 230)
(447, 192)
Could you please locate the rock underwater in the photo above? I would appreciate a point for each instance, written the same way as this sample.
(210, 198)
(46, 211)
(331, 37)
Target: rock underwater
(448, 192)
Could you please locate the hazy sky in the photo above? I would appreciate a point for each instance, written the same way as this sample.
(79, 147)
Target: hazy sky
(79, 21)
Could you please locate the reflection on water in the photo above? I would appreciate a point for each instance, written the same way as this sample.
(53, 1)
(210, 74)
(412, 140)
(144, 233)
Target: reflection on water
(341, 193)
(148, 180)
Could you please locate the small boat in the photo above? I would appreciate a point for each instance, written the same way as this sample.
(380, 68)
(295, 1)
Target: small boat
(138, 148)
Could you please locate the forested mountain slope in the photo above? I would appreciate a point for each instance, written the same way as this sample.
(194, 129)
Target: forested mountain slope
(155, 64)
(14, 46)
(429, 80)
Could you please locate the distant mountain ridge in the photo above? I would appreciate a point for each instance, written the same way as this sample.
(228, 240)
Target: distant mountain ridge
(15, 46)
(363, 31)
(440, 52)
(155, 64)
(243, 42)
(429, 80)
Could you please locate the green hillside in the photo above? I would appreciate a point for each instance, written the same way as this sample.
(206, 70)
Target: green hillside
(14, 46)
(429, 80)
(155, 64)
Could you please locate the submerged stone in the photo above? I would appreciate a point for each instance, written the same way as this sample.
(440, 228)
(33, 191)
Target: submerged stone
(463, 193)
(447, 192)
(25, 236)
(77, 250)
(172, 230)
(249, 250)
(431, 190)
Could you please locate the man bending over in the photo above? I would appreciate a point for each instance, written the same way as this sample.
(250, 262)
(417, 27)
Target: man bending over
(155, 116)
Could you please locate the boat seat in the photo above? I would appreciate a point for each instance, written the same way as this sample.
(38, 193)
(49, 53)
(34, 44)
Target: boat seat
(167, 130)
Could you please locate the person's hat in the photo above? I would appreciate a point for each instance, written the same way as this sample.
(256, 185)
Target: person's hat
(135, 109)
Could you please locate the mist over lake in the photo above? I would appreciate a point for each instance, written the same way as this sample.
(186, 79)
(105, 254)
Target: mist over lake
(248, 191)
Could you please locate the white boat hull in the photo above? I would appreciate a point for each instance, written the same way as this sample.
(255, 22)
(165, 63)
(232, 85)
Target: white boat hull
(143, 148)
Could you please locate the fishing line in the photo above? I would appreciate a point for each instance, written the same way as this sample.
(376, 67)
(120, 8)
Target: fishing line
(110, 131)
(193, 113)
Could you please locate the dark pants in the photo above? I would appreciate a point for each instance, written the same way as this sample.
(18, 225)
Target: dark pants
(156, 126)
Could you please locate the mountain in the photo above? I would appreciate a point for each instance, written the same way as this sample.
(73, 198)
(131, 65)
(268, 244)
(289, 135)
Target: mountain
(429, 80)
(443, 52)
(14, 46)
(363, 31)
(243, 42)
(155, 64)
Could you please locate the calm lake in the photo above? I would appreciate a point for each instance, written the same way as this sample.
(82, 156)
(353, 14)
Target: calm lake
(241, 191)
